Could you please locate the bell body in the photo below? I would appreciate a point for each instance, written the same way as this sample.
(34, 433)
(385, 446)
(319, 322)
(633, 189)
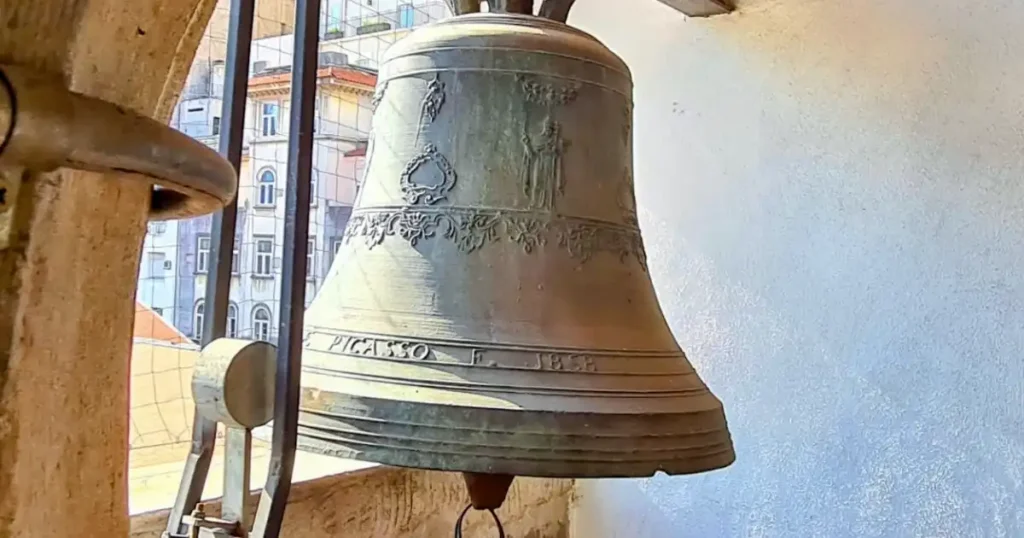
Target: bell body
(490, 310)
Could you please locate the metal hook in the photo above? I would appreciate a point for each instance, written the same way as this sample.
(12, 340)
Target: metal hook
(461, 7)
(462, 516)
(556, 10)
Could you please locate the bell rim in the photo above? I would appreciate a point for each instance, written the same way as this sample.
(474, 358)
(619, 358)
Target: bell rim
(522, 443)
(557, 469)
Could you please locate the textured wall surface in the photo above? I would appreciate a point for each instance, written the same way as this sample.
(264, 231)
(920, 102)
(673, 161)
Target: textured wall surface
(387, 502)
(831, 195)
(67, 279)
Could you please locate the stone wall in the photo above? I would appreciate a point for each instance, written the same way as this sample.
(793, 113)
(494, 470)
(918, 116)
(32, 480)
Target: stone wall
(388, 502)
(832, 201)
(68, 265)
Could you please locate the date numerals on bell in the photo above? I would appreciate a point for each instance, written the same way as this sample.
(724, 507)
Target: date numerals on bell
(566, 362)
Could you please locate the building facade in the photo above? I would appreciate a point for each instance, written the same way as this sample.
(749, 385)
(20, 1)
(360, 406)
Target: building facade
(176, 254)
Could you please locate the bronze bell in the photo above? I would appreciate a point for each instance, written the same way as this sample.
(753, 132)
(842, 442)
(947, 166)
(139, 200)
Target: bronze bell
(490, 311)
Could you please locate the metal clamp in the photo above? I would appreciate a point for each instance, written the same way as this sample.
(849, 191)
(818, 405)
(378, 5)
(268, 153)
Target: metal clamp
(45, 126)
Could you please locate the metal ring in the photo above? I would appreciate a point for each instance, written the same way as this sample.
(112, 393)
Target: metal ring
(45, 126)
(462, 516)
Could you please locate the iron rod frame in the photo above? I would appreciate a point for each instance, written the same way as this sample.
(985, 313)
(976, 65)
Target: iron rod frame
(218, 283)
(271, 508)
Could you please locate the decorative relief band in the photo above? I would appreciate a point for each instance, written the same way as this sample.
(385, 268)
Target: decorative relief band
(472, 228)
(473, 354)
(547, 94)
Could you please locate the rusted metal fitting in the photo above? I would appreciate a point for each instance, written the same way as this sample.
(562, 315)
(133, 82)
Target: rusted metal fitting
(45, 126)
(201, 525)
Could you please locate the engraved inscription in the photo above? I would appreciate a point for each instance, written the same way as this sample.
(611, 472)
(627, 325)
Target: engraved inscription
(425, 192)
(477, 359)
(432, 101)
(380, 348)
(566, 362)
(472, 228)
(547, 94)
(475, 354)
(543, 177)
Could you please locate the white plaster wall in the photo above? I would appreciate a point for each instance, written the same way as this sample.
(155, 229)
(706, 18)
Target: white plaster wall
(156, 287)
(831, 197)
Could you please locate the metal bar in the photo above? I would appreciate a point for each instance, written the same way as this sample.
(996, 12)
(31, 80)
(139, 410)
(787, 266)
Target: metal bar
(218, 283)
(237, 470)
(556, 10)
(270, 512)
(524, 7)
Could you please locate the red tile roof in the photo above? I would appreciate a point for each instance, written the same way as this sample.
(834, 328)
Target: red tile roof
(352, 76)
(151, 326)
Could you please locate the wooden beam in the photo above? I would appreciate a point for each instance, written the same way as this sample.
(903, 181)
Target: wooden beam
(700, 8)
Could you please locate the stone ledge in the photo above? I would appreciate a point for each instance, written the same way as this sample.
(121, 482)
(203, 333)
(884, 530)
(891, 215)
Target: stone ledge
(700, 8)
(390, 502)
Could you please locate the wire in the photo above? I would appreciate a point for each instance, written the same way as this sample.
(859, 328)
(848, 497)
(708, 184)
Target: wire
(462, 516)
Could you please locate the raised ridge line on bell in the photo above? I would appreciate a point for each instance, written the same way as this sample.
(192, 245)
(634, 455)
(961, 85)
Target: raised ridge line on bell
(553, 469)
(473, 210)
(482, 387)
(398, 74)
(557, 454)
(638, 353)
(338, 417)
(532, 53)
(500, 367)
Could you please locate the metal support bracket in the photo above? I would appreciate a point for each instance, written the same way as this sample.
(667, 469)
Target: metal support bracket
(45, 126)
(233, 384)
(10, 184)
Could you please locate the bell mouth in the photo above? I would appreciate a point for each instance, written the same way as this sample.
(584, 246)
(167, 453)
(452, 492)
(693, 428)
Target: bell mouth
(535, 443)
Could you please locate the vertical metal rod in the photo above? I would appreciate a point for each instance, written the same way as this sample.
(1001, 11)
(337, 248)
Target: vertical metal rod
(218, 283)
(556, 10)
(270, 512)
(238, 469)
(461, 7)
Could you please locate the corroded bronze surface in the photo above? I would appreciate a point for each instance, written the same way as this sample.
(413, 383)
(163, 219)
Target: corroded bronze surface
(491, 311)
